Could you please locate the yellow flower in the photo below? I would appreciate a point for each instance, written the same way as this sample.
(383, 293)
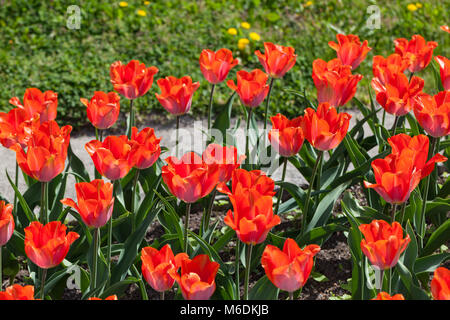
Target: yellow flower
(146, 3)
(254, 36)
(141, 13)
(308, 3)
(245, 25)
(418, 5)
(242, 43)
(123, 4)
(412, 7)
(232, 31)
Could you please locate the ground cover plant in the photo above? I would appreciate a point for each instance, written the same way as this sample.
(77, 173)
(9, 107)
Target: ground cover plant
(168, 223)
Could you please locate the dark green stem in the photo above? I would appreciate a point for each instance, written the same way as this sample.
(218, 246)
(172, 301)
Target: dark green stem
(141, 283)
(403, 213)
(247, 271)
(281, 188)
(44, 202)
(161, 295)
(186, 227)
(94, 260)
(133, 200)
(236, 268)
(131, 119)
(43, 276)
(110, 228)
(394, 127)
(291, 295)
(267, 104)
(394, 209)
(210, 107)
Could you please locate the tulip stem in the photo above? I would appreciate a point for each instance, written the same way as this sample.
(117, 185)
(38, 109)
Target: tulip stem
(247, 272)
(394, 209)
(308, 195)
(186, 227)
(133, 200)
(247, 153)
(161, 295)
(110, 228)
(291, 295)
(16, 181)
(44, 274)
(94, 260)
(131, 119)
(380, 289)
(403, 213)
(208, 212)
(44, 202)
(178, 137)
(236, 267)
(267, 103)
(144, 294)
(394, 127)
(281, 188)
(210, 107)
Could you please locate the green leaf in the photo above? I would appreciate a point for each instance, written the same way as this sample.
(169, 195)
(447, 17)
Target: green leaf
(264, 290)
(28, 212)
(440, 236)
(413, 291)
(430, 263)
(77, 165)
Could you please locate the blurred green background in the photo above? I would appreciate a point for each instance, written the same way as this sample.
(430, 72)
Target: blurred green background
(38, 50)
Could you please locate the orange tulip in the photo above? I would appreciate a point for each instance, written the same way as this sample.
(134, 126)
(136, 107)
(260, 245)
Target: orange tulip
(277, 59)
(145, 148)
(383, 243)
(6, 222)
(349, 49)
(397, 94)
(289, 269)
(113, 297)
(286, 136)
(325, 128)
(433, 113)
(47, 245)
(197, 277)
(37, 103)
(46, 153)
(445, 28)
(417, 51)
(444, 68)
(103, 109)
(17, 292)
(440, 284)
(383, 67)
(132, 80)
(112, 157)
(386, 296)
(216, 65)
(189, 178)
(15, 127)
(243, 179)
(251, 87)
(157, 265)
(225, 157)
(176, 94)
(334, 82)
(95, 202)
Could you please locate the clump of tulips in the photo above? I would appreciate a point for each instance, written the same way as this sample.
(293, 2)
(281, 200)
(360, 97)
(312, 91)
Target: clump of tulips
(135, 183)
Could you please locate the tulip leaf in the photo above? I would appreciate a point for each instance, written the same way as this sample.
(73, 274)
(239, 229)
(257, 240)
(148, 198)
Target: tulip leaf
(264, 290)
(28, 212)
(413, 291)
(440, 236)
(77, 166)
(208, 249)
(317, 235)
(118, 288)
(410, 255)
(430, 263)
(222, 121)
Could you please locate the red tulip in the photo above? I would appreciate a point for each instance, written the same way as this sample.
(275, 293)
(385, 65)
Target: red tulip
(325, 128)
(397, 94)
(37, 103)
(216, 65)
(251, 87)
(383, 67)
(225, 157)
(113, 297)
(132, 80)
(189, 178)
(46, 153)
(103, 109)
(349, 49)
(286, 136)
(145, 148)
(277, 59)
(440, 284)
(417, 51)
(289, 269)
(15, 127)
(157, 265)
(387, 296)
(6, 222)
(243, 179)
(176, 94)
(112, 157)
(197, 277)
(444, 68)
(433, 113)
(95, 202)
(383, 243)
(47, 245)
(445, 28)
(17, 292)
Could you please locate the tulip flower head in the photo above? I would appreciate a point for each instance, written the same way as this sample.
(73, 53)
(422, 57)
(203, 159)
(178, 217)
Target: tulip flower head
(445, 28)
(197, 277)
(113, 297)
(15, 127)
(277, 59)
(145, 148)
(383, 243)
(289, 269)
(386, 296)
(350, 50)
(286, 136)
(47, 245)
(433, 113)
(132, 80)
(6, 222)
(95, 202)
(112, 157)
(440, 284)
(417, 51)
(17, 292)
(216, 65)
(251, 87)
(36, 102)
(176, 94)
(225, 157)
(382, 67)
(103, 109)
(444, 69)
